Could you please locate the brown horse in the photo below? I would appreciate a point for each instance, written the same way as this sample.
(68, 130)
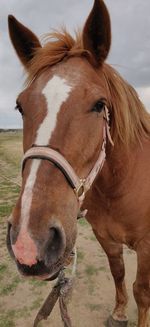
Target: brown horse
(63, 106)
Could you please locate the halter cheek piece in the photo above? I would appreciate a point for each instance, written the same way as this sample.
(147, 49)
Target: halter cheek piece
(80, 186)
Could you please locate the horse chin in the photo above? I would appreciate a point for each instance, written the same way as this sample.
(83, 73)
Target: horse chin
(38, 271)
(53, 277)
(46, 278)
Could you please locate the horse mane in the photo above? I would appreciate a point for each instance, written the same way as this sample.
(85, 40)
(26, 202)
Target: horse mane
(130, 119)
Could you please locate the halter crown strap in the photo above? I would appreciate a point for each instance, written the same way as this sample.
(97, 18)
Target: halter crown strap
(80, 186)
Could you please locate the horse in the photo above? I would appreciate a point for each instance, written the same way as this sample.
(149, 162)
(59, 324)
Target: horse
(86, 140)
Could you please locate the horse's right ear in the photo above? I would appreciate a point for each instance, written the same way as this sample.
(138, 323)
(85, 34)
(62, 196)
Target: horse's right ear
(97, 32)
(24, 41)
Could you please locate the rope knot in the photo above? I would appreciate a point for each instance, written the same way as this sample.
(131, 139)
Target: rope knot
(62, 290)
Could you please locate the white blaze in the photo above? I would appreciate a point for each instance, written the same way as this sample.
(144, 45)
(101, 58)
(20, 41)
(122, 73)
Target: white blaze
(56, 93)
(27, 194)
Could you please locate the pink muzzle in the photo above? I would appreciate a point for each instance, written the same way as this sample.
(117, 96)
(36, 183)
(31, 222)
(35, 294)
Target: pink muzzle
(25, 249)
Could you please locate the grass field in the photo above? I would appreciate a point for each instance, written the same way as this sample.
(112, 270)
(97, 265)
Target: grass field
(20, 299)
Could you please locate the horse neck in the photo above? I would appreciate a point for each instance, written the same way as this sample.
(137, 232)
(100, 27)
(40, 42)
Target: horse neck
(120, 168)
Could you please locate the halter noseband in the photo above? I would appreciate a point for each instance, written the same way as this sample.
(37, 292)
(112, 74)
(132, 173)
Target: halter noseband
(80, 186)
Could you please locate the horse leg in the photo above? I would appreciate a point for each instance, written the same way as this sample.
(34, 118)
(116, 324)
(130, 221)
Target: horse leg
(141, 287)
(114, 253)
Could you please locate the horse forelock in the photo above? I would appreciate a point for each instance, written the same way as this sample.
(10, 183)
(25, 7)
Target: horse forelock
(58, 45)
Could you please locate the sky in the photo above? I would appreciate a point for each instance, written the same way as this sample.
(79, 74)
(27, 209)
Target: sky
(130, 51)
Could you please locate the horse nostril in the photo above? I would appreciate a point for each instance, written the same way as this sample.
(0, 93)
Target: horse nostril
(11, 238)
(8, 240)
(55, 246)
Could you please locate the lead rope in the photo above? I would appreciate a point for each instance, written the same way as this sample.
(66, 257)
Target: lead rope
(62, 291)
(66, 291)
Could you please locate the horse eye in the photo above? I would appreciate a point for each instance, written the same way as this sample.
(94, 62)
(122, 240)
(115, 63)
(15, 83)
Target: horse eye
(19, 108)
(99, 106)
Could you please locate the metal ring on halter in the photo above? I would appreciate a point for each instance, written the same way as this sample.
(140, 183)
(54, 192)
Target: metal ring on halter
(80, 191)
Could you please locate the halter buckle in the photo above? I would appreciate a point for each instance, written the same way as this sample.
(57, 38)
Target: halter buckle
(80, 191)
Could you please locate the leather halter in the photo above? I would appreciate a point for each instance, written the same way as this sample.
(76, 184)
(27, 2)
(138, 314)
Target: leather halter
(80, 186)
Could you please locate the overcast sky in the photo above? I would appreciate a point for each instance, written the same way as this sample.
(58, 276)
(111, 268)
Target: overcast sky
(130, 52)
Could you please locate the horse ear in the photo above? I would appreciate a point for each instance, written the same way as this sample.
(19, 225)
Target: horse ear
(97, 32)
(24, 41)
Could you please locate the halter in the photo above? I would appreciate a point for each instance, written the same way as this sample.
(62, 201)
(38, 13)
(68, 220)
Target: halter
(80, 186)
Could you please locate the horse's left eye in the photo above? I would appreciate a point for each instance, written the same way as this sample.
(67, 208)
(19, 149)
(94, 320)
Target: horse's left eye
(99, 107)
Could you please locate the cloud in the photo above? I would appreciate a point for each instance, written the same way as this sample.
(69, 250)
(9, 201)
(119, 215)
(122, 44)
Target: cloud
(130, 53)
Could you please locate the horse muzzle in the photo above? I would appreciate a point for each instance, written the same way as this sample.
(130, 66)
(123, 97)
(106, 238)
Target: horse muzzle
(42, 259)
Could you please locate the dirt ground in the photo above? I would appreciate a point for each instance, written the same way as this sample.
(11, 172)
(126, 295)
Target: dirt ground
(20, 299)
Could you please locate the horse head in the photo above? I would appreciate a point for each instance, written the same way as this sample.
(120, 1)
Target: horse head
(63, 109)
